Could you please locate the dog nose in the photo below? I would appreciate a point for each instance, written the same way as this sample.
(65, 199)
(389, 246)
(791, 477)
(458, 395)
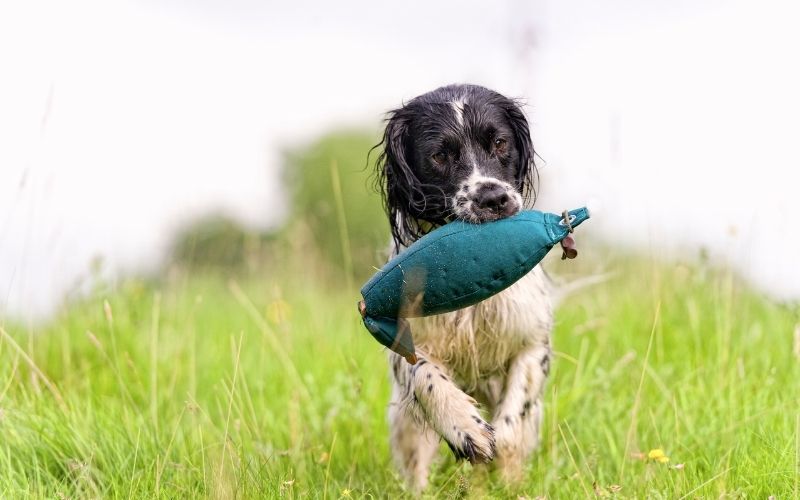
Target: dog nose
(491, 196)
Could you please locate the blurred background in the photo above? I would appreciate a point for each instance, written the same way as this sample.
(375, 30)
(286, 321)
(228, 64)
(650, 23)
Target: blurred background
(138, 134)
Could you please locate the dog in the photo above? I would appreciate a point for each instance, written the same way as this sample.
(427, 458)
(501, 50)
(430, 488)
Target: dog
(465, 152)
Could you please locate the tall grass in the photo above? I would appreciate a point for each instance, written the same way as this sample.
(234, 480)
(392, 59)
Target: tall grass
(267, 386)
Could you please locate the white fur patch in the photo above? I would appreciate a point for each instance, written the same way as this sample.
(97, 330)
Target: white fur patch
(458, 109)
(467, 190)
(476, 178)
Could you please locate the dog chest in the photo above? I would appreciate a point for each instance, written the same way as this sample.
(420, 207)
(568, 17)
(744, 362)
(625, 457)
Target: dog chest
(480, 340)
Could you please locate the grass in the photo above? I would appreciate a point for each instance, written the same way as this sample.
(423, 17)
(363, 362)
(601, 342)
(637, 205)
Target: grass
(266, 385)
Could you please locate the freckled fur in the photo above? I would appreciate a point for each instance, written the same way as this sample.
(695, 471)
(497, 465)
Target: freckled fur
(478, 342)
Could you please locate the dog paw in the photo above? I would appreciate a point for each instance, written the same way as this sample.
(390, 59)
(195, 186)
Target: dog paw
(507, 438)
(508, 449)
(517, 435)
(473, 440)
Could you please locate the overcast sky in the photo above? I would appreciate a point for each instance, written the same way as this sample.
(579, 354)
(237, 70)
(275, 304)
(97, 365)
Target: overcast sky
(119, 120)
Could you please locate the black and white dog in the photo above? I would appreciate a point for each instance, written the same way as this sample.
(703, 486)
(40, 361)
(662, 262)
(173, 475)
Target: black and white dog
(465, 152)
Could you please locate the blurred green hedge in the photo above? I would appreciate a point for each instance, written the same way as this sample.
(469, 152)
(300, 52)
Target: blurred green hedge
(335, 218)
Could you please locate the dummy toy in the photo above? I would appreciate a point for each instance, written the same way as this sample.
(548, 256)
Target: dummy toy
(458, 265)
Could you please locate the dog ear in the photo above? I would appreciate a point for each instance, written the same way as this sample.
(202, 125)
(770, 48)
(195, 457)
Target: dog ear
(527, 175)
(395, 179)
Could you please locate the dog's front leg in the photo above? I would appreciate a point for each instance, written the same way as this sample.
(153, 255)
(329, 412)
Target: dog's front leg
(518, 416)
(430, 395)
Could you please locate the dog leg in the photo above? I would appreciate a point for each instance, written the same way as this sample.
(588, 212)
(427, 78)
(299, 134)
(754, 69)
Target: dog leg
(413, 444)
(518, 416)
(428, 394)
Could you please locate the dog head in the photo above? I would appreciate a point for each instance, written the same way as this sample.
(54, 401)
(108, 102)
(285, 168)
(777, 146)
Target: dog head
(460, 151)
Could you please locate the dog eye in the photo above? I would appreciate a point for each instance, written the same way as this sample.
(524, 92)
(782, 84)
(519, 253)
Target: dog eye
(499, 143)
(439, 157)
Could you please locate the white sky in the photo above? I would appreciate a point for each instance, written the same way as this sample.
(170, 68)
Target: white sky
(118, 120)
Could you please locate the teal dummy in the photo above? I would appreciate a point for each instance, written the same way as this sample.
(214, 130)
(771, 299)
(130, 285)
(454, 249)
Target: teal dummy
(458, 265)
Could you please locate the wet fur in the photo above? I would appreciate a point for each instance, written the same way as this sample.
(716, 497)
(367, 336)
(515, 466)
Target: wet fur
(481, 371)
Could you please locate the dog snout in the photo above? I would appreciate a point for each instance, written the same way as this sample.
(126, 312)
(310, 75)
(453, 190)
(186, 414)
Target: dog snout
(491, 196)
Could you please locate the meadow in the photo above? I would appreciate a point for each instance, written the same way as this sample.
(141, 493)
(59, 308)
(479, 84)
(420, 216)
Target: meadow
(256, 379)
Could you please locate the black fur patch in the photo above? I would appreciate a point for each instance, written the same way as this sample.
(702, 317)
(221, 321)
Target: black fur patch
(469, 451)
(525, 408)
(546, 364)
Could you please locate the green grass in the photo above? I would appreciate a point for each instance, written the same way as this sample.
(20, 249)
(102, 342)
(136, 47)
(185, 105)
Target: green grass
(267, 386)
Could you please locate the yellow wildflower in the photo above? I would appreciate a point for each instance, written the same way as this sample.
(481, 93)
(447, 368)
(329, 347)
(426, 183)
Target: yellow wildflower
(658, 455)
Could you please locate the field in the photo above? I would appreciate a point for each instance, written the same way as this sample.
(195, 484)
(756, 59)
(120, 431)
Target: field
(269, 387)
(258, 381)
